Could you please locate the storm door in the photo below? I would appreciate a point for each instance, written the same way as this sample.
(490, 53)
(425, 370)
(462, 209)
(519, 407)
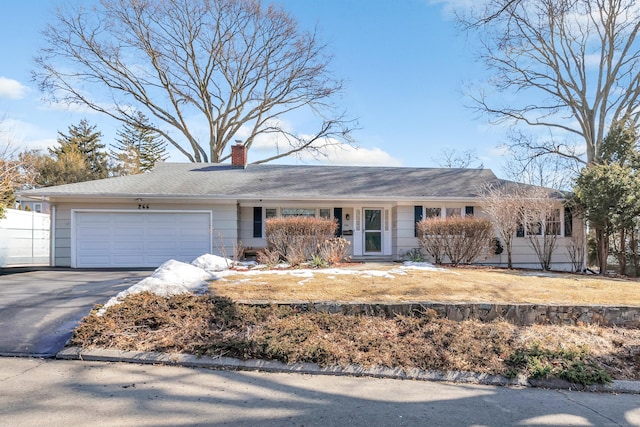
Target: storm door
(372, 231)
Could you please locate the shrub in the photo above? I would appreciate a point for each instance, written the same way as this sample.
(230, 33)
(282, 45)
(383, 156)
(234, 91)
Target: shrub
(297, 239)
(268, 257)
(569, 364)
(461, 240)
(334, 250)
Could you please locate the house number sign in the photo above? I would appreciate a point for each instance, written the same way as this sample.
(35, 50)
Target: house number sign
(143, 206)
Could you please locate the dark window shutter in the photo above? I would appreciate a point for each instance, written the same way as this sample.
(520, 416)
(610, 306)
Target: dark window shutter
(257, 221)
(468, 210)
(568, 222)
(417, 217)
(337, 214)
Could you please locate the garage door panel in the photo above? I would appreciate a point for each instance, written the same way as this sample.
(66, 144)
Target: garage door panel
(93, 245)
(93, 220)
(100, 231)
(119, 239)
(191, 246)
(128, 247)
(95, 261)
(162, 232)
(128, 261)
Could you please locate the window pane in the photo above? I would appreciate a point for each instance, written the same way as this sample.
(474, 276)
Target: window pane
(534, 229)
(372, 220)
(568, 222)
(432, 213)
(271, 212)
(325, 213)
(453, 212)
(298, 212)
(373, 241)
(553, 223)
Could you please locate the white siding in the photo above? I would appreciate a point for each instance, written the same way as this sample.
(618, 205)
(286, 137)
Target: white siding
(523, 255)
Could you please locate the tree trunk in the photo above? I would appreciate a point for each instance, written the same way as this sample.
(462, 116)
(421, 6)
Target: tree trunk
(622, 258)
(602, 249)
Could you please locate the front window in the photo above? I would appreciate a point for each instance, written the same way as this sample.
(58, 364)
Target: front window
(288, 212)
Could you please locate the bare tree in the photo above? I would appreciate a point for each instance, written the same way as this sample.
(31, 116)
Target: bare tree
(525, 210)
(233, 65)
(503, 205)
(574, 65)
(536, 168)
(452, 158)
(15, 171)
(541, 221)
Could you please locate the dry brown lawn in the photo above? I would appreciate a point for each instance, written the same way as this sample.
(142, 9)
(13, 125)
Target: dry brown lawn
(366, 283)
(216, 325)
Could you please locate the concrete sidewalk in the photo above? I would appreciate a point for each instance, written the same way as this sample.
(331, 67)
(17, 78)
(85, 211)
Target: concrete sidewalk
(38, 392)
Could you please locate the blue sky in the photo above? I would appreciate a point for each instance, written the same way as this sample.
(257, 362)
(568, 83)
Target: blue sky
(404, 63)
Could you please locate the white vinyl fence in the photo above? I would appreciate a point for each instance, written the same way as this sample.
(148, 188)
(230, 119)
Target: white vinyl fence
(24, 238)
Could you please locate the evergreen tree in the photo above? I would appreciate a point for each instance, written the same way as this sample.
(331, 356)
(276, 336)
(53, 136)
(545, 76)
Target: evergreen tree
(609, 192)
(86, 140)
(138, 147)
(79, 157)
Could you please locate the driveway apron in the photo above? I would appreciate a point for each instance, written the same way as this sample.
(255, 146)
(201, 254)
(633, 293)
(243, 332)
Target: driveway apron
(40, 308)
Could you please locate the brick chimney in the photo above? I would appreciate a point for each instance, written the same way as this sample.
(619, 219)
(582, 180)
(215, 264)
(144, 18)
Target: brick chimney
(239, 155)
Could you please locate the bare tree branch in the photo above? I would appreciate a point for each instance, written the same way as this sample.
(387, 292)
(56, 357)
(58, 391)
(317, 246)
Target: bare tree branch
(231, 65)
(573, 64)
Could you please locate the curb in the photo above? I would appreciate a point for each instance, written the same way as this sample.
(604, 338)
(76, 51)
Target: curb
(191, 361)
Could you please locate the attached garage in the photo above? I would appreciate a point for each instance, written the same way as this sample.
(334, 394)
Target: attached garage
(138, 239)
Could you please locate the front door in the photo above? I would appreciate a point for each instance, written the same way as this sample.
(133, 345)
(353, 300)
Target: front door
(372, 231)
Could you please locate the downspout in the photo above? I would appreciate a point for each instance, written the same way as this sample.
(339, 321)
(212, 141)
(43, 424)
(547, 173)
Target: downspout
(52, 236)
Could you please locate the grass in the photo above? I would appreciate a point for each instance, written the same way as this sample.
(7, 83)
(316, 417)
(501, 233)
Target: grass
(215, 325)
(450, 285)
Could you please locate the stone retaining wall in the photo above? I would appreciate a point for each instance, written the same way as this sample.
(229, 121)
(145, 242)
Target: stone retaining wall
(519, 314)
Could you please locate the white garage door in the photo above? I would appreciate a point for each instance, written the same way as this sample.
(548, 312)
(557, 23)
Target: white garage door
(140, 239)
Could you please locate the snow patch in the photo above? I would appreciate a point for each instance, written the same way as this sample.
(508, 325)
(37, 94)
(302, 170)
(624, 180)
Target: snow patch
(171, 278)
(421, 266)
(209, 262)
(175, 277)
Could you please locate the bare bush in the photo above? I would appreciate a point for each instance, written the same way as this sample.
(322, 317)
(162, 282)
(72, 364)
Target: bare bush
(503, 204)
(541, 219)
(461, 240)
(334, 250)
(576, 248)
(297, 239)
(268, 257)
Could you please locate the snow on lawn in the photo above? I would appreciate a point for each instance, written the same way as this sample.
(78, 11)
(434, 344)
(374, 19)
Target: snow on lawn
(175, 277)
(171, 278)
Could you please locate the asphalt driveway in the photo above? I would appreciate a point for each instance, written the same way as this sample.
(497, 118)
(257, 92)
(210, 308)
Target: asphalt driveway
(40, 308)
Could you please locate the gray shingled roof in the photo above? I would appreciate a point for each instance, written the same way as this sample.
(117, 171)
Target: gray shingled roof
(283, 182)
